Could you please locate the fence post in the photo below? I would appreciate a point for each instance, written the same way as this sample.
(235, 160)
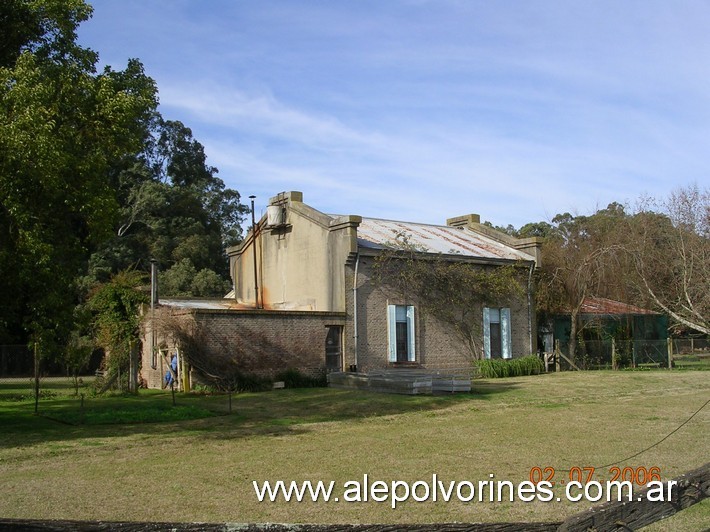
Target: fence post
(614, 361)
(132, 369)
(3, 360)
(669, 344)
(36, 383)
(557, 356)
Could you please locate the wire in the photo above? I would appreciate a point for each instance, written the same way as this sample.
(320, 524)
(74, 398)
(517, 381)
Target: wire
(657, 443)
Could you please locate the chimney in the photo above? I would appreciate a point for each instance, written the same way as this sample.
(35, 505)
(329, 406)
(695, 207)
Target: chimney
(467, 220)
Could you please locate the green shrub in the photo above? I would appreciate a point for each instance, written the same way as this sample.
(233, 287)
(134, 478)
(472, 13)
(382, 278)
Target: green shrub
(293, 378)
(237, 381)
(200, 388)
(245, 382)
(513, 367)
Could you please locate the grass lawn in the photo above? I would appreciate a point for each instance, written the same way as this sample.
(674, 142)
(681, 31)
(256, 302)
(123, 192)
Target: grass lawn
(61, 466)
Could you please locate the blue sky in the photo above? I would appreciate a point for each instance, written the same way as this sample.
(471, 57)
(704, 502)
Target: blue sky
(422, 110)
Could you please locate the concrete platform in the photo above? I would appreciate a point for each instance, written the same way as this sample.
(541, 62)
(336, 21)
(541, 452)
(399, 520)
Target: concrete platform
(404, 381)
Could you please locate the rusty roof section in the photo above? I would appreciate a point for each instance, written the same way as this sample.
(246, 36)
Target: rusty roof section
(204, 304)
(381, 234)
(609, 307)
(215, 305)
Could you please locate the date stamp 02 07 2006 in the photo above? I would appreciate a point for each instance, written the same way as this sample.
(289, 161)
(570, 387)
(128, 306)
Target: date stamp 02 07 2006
(584, 475)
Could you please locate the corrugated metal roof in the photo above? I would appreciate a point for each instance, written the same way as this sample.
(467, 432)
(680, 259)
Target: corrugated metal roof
(378, 234)
(603, 306)
(204, 304)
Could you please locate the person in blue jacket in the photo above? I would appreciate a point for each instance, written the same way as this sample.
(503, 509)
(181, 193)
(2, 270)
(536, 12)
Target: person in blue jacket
(169, 379)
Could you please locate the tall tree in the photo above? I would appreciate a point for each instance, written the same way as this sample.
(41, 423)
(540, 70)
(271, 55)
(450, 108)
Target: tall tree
(669, 242)
(45, 28)
(582, 257)
(62, 127)
(175, 209)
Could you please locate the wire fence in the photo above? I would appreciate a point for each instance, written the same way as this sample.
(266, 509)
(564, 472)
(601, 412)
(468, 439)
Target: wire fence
(613, 354)
(24, 375)
(32, 385)
(691, 346)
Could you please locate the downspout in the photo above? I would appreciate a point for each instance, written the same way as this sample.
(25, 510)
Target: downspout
(530, 320)
(357, 263)
(253, 240)
(261, 265)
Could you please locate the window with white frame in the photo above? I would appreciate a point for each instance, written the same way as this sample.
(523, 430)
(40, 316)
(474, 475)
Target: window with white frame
(400, 332)
(497, 337)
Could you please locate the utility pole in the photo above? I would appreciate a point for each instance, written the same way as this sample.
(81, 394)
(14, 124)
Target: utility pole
(153, 303)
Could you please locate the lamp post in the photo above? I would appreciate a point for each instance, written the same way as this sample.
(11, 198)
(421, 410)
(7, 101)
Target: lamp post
(253, 237)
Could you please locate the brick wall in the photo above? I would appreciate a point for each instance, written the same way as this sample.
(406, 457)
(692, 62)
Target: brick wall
(261, 343)
(267, 342)
(437, 347)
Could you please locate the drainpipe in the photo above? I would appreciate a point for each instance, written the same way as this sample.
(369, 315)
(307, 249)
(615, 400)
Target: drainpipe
(253, 238)
(357, 263)
(530, 320)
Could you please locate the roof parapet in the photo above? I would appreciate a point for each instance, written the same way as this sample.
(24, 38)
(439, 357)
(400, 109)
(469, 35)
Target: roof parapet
(286, 197)
(342, 222)
(530, 246)
(464, 221)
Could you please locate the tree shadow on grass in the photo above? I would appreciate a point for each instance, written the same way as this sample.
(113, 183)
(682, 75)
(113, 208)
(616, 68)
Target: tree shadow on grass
(278, 413)
(488, 388)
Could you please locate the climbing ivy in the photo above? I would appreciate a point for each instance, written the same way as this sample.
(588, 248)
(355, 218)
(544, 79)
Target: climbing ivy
(452, 290)
(116, 324)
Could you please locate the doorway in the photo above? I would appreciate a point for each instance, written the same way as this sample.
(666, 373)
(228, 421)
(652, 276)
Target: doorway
(333, 348)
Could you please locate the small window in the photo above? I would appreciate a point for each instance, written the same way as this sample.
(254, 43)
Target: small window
(497, 338)
(400, 327)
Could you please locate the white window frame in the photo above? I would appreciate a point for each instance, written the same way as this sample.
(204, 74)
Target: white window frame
(392, 333)
(506, 336)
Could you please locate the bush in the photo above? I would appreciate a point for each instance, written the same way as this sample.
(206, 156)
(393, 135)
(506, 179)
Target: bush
(237, 381)
(293, 378)
(244, 382)
(513, 367)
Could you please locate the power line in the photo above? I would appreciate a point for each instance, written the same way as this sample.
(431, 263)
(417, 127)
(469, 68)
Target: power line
(655, 444)
(659, 441)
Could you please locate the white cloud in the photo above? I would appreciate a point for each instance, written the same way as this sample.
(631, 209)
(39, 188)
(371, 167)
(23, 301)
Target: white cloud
(424, 110)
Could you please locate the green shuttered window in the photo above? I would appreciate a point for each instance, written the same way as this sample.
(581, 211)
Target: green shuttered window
(497, 335)
(400, 332)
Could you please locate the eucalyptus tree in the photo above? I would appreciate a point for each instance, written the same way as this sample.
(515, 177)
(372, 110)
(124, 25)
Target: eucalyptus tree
(175, 209)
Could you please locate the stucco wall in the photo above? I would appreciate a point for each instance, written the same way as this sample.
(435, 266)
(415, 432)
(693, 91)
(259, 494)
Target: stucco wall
(299, 265)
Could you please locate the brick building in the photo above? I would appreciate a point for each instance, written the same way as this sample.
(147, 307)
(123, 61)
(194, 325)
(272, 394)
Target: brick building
(304, 297)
